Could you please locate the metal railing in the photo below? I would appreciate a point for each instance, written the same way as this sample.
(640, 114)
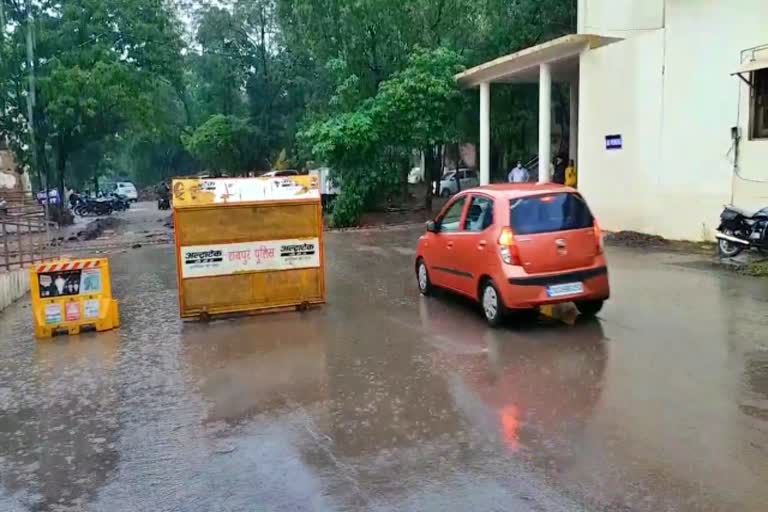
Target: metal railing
(24, 232)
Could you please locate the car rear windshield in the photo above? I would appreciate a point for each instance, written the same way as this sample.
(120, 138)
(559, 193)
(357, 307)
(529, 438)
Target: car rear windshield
(551, 212)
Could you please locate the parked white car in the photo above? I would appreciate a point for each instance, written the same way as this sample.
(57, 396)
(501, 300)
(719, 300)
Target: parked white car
(449, 185)
(280, 174)
(127, 190)
(416, 176)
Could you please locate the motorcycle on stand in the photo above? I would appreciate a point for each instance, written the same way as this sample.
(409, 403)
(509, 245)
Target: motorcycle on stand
(163, 196)
(119, 203)
(741, 230)
(89, 207)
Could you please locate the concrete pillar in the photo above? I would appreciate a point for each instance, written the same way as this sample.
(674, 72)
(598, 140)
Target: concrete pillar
(573, 142)
(545, 122)
(485, 133)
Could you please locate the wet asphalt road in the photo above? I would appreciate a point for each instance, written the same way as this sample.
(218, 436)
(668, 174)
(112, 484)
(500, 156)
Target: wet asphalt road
(383, 400)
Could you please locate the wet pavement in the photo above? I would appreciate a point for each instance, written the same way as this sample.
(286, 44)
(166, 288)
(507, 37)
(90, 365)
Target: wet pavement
(383, 400)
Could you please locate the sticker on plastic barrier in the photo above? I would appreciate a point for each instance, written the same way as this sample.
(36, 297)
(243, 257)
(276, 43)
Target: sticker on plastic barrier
(69, 279)
(72, 311)
(226, 259)
(91, 309)
(90, 281)
(53, 314)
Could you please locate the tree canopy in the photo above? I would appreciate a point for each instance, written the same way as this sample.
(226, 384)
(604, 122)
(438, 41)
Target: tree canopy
(148, 89)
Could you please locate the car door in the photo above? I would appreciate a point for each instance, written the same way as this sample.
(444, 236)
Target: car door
(444, 265)
(473, 248)
(448, 185)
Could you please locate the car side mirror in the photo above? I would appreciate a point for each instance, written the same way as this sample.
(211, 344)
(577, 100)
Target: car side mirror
(432, 226)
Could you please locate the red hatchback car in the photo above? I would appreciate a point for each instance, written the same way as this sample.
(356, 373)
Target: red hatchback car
(516, 247)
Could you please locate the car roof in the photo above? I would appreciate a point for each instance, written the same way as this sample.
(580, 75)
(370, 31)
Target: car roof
(513, 190)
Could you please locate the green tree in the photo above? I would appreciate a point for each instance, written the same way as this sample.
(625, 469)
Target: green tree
(99, 66)
(370, 147)
(425, 98)
(116, 83)
(223, 144)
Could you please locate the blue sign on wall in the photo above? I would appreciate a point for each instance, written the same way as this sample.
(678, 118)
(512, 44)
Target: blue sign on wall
(613, 142)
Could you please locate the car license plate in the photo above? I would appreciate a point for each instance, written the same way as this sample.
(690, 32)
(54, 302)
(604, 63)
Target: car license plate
(562, 290)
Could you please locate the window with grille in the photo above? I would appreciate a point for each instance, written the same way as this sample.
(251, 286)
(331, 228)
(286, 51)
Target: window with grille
(759, 113)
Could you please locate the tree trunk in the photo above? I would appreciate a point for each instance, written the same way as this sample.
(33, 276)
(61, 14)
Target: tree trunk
(61, 167)
(405, 169)
(433, 171)
(429, 158)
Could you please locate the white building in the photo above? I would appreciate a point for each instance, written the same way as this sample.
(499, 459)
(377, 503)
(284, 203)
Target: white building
(670, 109)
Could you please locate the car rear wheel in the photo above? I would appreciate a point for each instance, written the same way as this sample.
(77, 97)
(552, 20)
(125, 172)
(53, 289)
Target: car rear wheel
(493, 307)
(422, 275)
(590, 307)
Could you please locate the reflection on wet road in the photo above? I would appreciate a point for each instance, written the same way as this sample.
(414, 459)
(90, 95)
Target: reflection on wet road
(383, 400)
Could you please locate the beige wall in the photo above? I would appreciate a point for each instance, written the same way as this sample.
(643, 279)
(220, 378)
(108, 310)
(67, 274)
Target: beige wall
(14, 284)
(621, 93)
(617, 17)
(701, 104)
(670, 94)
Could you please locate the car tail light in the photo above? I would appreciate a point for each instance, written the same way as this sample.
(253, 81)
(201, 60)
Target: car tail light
(508, 248)
(598, 237)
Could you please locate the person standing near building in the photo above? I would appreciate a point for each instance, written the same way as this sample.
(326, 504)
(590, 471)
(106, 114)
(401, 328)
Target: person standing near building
(519, 174)
(571, 179)
(558, 176)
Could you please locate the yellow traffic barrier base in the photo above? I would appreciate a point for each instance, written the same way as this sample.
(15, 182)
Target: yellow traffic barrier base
(72, 296)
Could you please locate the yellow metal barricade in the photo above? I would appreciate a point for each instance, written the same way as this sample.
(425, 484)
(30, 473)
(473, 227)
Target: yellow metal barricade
(248, 244)
(69, 296)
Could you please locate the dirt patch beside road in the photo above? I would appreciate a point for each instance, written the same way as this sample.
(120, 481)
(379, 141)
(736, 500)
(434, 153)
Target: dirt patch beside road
(141, 225)
(96, 228)
(638, 240)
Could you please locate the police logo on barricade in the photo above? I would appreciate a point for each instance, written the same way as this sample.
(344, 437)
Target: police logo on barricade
(203, 257)
(294, 250)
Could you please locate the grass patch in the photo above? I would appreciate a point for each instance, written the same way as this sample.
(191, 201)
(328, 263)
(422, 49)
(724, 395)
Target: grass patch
(757, 269)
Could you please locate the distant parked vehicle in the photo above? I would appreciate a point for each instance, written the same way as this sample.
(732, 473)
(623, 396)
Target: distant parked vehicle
(89, 207)
(119, 203)
(449, 185)
(280, 174)
(416, 176)
(127, 190)
(741, 230)
(329, 187)
(163, 196)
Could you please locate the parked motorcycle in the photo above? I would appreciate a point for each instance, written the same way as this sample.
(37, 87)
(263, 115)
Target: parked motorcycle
(119, 203)
(89, 207)
(163, 203)
(741, 230)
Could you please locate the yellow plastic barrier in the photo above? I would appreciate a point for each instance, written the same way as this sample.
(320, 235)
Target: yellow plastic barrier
(246, 245)
(70, 296)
